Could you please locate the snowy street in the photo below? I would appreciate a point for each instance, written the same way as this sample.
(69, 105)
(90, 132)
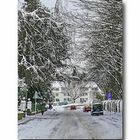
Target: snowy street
(71, 124)
(70, 64)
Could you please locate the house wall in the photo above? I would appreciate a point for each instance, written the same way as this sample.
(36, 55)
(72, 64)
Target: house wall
(88, 93)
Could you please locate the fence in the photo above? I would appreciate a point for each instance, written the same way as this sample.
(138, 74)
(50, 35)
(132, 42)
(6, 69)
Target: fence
(112, 105)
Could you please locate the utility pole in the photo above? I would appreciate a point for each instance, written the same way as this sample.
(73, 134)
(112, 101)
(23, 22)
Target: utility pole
(35, 103)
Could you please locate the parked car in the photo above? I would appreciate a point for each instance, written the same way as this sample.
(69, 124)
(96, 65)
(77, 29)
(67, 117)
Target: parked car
(86, 108)
(97, 109)
(73, 107)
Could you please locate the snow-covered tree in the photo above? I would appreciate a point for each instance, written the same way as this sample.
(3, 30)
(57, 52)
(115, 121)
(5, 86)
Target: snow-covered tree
(42, 46)
(72, 89)
(74, 82)
(101, 24)
(22, 89)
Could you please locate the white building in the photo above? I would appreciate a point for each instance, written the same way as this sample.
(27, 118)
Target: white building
(88, 93)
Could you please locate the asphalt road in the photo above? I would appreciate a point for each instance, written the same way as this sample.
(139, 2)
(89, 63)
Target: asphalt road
(73, 126)
(68, 124)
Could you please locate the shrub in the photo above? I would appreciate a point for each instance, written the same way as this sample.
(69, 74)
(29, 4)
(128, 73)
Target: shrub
(28, 112)
(20, 115)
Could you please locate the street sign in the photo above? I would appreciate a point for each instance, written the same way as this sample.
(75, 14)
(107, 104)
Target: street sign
(109, 96)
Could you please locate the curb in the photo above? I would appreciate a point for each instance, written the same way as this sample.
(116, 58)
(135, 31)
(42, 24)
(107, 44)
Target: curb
(26, 121)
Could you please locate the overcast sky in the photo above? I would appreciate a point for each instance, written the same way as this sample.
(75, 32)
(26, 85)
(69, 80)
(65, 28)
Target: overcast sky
(49, 3)
(69, 6)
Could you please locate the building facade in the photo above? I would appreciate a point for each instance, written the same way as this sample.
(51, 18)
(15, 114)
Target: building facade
(87, 95)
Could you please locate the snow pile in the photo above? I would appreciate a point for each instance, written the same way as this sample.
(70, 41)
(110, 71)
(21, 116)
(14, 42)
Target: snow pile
(58, 108)
(39, 128)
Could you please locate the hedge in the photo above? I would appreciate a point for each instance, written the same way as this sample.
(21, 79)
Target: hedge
(21, 115)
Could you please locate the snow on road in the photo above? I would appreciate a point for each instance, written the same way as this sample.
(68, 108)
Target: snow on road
(71, 128)
(72, 124)
(107, 126)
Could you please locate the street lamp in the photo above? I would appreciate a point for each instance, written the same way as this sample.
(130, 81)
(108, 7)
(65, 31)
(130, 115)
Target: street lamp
(35, 103)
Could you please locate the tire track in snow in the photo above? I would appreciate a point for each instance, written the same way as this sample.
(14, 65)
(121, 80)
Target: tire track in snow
(70, 127)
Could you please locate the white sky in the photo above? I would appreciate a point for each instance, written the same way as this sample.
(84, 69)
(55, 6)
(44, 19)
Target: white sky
(51, 3)
(48, 3)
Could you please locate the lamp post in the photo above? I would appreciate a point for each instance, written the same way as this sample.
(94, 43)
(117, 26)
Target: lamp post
(36, 96)
(26, 102)
(23, 105)
(35, 103)
(29, 106)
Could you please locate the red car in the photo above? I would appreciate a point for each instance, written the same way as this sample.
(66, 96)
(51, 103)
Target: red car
(72, 107)
(86, 109)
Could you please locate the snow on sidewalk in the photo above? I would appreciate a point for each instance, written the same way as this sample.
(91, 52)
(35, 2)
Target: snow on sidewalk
(48, 112)
(39, 115)
(38, 128)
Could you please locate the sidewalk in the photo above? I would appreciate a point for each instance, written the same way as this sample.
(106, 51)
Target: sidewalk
(38, 116)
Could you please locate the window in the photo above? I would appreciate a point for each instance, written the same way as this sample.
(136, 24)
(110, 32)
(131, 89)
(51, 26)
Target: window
(64, 99)
(95, 88)
(57, 89)
(86, 88)
(62, 88)
(69, 99)
(84, 94)
(57, 100)
(56, 94)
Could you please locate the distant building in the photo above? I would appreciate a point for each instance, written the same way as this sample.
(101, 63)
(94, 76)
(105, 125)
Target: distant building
(88, 93)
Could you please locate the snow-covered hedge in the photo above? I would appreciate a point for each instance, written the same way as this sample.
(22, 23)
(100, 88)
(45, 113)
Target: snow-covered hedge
(20, 115)
(112, 105)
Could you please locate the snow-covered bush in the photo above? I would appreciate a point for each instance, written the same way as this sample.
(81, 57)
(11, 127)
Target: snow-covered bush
(112, 105)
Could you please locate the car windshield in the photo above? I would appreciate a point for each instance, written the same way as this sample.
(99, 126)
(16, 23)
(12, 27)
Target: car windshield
(97, 107)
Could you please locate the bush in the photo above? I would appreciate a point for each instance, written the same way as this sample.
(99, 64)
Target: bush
(38, 107)
(33, 113)
(28, 112)
(20, 115)
(99, 96)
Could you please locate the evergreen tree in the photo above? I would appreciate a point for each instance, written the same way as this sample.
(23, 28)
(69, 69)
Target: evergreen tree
(31, 5)
(42, 46)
